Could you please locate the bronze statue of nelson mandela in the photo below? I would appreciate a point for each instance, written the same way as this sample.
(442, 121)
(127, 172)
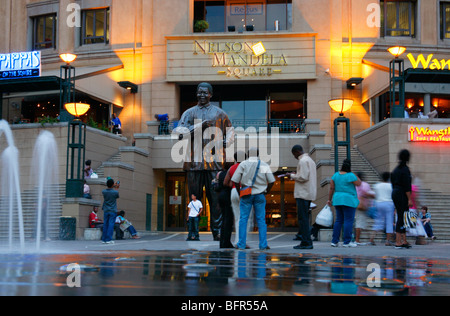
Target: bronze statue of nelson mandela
(210, 131)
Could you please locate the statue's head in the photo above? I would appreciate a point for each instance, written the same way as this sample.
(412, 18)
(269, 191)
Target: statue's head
(206, 85)
(204, 93)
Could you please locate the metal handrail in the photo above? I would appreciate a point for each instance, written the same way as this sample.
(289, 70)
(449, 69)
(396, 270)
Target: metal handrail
(285, 126)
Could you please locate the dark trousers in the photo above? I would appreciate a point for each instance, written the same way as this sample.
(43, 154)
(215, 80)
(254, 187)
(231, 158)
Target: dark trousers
(193, 228)
(428, 229)
(196, 181)
(304, 231)
(228, 219)
(401, 206)
(119, 232)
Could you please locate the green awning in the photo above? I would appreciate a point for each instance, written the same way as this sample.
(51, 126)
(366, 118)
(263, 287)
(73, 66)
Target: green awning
(30, 84)
(427, 75)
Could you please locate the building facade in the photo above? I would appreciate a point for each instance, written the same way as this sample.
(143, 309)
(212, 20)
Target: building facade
(272, 63)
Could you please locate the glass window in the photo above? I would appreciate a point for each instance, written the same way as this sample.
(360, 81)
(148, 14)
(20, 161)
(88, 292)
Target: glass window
(248, 105)
(445, 20)
(246, 113)
(44, 32)
(215, 15)
(398, 18)
(244, 15)
(277, 15)
(95, 26)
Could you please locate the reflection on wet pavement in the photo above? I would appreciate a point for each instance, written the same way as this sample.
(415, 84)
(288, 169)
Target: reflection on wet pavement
(221, 273)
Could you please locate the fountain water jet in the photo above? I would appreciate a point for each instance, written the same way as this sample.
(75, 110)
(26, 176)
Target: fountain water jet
(45, 175)
(11, 184)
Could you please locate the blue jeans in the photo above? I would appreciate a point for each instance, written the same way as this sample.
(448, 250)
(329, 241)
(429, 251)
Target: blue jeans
(108, 226)
(345, 216)
(258, 202)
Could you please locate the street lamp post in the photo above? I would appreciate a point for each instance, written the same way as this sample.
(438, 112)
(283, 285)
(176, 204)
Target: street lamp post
(341, 106)
(76, 138)
(67, 85)
(397, 82)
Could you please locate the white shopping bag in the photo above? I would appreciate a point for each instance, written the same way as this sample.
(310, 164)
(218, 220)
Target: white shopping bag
(325, 217)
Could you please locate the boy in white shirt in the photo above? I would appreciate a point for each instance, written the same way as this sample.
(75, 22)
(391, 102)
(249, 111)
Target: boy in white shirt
(195, 208)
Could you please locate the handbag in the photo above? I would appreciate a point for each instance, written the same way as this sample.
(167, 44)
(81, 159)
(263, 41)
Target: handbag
(325, 217)
(245, 191)
(410, 219)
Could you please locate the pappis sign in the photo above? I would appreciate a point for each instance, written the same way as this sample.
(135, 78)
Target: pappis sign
(241, 59)
(20, 65)
(431, 134)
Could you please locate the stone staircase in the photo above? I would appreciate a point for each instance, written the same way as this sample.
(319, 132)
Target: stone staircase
(359, 164)
(100, 171)
(29, 208)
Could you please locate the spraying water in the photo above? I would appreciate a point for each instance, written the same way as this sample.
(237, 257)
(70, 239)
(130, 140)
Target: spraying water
(45, 174)
(11, 185)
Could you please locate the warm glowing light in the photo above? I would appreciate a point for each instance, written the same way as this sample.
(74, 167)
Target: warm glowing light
(258, 49)
(396, 50)
(77, 109)
(341, 105)
(68, 58)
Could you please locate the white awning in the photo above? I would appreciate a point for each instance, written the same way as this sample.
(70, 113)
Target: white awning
(98, 81)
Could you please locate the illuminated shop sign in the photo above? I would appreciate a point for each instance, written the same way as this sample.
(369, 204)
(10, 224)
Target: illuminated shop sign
(20, 65)
(241, 59)
(429, 62)
(433, 133)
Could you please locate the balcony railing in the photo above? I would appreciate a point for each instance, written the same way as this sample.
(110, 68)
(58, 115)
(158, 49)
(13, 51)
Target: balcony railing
(285, 126)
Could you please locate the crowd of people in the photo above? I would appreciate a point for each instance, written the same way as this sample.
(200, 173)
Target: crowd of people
(393, 204)
(242, 188)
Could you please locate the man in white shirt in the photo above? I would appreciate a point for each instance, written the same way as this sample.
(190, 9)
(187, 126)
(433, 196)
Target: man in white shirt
(256, 174)
(305, 191)
(195, 208)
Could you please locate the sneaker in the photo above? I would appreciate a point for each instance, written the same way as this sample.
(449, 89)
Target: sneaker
(304, 247)
(350, 245)
(111, 242)
(334, 245)
(267, 248)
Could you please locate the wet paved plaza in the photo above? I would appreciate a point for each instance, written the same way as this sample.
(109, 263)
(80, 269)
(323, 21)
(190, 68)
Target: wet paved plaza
(166, 265)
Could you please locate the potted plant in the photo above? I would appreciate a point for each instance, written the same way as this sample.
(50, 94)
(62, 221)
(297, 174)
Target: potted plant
(200, 26)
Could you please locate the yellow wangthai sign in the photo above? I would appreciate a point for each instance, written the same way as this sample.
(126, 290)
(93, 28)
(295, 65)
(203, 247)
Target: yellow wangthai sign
(425, 133)
(429, 62)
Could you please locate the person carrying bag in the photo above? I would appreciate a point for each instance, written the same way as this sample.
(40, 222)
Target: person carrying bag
(195, 207)
(248, 190)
